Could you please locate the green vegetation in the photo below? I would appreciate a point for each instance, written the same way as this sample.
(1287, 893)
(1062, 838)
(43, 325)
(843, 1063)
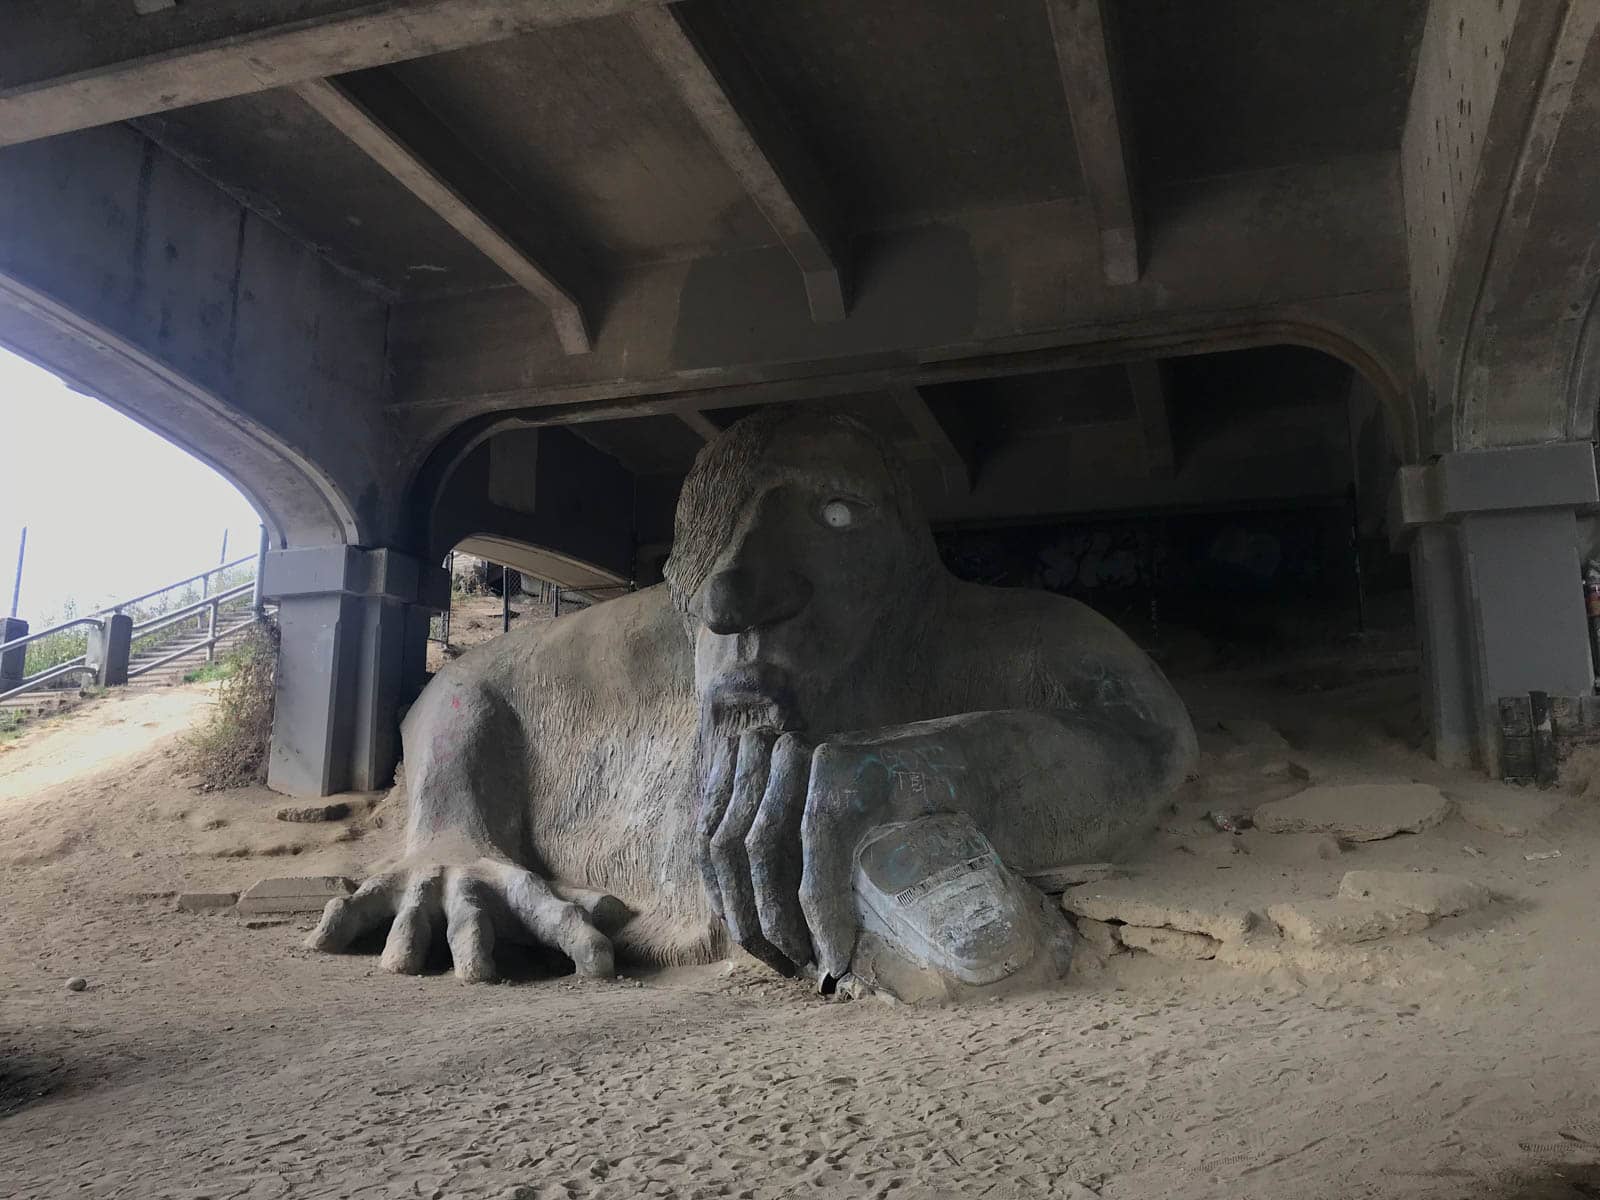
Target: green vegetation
(10, 725)
(58, 647)
(209, 672)
(230, 750)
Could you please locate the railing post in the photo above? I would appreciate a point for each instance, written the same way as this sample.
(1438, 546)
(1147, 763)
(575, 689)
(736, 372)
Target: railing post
(257, 605)
(211, 632)
(107, 651)
(13, 662)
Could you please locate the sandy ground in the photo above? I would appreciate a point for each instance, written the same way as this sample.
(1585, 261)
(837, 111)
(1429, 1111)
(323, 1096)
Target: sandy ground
(208, 1058)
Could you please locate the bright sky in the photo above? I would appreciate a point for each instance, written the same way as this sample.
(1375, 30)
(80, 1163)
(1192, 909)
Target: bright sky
(112, 510)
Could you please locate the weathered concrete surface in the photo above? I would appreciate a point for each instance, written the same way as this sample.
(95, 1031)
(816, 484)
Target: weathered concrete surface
(140, 281)
(293, 893)
(1327, 922)
(1362, 812)
(1434, 893)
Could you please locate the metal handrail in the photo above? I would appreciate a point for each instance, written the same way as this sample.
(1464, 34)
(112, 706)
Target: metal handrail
(190, 648)
(44, 633)
(76, 664)
(122, 604)
(183, 614)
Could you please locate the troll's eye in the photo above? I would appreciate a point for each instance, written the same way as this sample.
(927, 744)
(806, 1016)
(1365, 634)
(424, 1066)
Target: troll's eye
(836, 514)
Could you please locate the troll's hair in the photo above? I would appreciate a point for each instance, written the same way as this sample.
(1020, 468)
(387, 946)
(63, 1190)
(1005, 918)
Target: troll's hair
(726, 476)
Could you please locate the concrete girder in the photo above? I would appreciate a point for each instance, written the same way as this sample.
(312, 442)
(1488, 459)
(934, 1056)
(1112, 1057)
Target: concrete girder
(700, 423)
(956, 459)
(1003, 291)
(393, 128)
(750, 131)
(132, 277)
(1149, 391)
(1100, 127)
(121, 66)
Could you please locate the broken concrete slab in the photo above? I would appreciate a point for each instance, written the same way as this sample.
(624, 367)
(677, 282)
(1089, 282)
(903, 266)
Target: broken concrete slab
(206, 901)
(1340, 921)
(294, 893)
(1173, 944)
(1435, 893)
(1153, 904)
(1361, 812)
(1099, 934)
(1052, 881)
(1507, 811)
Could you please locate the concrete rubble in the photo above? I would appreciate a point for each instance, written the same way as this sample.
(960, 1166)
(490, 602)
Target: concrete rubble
(1360, 812)
(1173, 944)
(1338, 921)
(1153, 905)
(293, 894)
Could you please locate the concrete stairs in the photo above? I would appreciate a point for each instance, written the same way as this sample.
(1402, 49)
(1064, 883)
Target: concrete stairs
(42, 703)
(193, 642)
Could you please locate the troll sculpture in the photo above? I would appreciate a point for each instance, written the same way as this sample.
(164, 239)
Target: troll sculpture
(807, 725)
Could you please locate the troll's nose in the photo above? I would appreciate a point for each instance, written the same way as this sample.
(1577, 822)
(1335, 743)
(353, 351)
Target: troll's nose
(737, 600)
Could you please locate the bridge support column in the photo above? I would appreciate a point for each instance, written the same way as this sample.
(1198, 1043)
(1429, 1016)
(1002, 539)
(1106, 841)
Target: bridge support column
(352, 629)
(1493, 539)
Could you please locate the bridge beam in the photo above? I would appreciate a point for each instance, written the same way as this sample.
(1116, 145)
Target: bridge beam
(394, 129)
(957, 462)
(123, 65)
(1148, 385)
(749, 130)
(1099, 125)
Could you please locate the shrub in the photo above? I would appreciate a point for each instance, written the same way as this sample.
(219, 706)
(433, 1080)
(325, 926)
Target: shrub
(230, 749)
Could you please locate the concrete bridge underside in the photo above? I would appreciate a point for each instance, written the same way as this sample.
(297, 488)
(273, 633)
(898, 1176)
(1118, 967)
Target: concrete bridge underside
(420, 272)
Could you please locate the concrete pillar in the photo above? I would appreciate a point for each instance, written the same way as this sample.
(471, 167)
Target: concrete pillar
(1438, 591)
(1493, 539)
(108, 648)
(352, 635)
(12, 662)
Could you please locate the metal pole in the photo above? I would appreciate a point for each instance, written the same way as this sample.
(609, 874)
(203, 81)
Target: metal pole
(1355, 562)
(256, 602)
(205, 580)
(444, 622)
(16, 588)
(505, 599)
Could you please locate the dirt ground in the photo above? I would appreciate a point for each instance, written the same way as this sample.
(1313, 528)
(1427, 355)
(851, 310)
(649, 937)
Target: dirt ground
(210, 1058)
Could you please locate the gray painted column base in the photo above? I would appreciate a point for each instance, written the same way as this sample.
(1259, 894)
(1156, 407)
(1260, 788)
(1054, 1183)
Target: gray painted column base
(352, 629)
(1493, 539)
